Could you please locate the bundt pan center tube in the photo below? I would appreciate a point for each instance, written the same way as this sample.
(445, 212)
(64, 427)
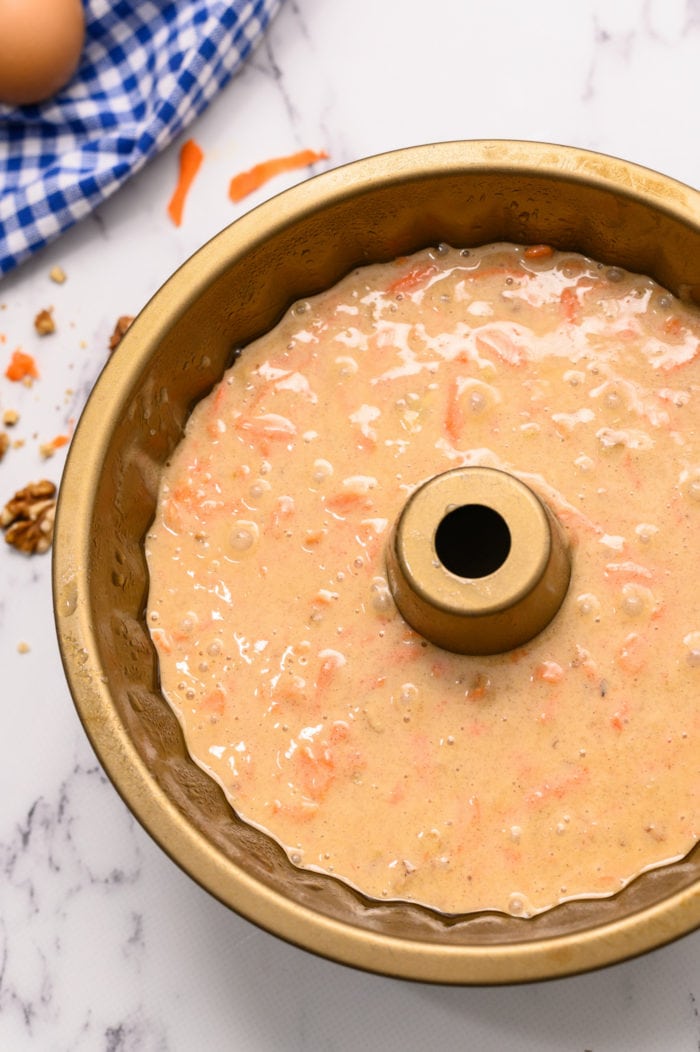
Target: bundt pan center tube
(230, 292)
(476, 563)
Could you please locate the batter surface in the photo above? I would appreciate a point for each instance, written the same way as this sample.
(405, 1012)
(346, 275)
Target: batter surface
(512, 782)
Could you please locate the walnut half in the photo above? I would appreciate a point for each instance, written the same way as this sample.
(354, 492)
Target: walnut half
(28, 518)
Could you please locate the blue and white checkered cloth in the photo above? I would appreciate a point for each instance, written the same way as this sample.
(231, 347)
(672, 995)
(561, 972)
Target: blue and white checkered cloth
(148, 68)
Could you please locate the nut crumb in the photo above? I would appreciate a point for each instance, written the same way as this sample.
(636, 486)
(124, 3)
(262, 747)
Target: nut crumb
(28, 518)
(4, 443)
(10, 417)
(120, 328)
(47, 449)
(22, 647)
(57, 274)
(44, 323)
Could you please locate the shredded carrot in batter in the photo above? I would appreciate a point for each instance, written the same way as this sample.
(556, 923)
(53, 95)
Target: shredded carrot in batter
(413, 280)
(538, 252)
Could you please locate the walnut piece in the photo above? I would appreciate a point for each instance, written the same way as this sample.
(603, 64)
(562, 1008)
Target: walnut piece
(28, 518)
(44, 323)
(120, 328)
(4, 443)
(57, 274)
(10, 417)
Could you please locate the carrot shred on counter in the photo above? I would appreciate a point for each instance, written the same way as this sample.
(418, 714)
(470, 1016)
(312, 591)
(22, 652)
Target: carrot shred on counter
(191, 157)
(22, 366)
(247, 182)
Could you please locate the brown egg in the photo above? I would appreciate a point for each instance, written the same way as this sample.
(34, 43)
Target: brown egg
(40, 46)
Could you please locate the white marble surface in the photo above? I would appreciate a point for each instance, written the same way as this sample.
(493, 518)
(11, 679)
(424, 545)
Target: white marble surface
(104, 943)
